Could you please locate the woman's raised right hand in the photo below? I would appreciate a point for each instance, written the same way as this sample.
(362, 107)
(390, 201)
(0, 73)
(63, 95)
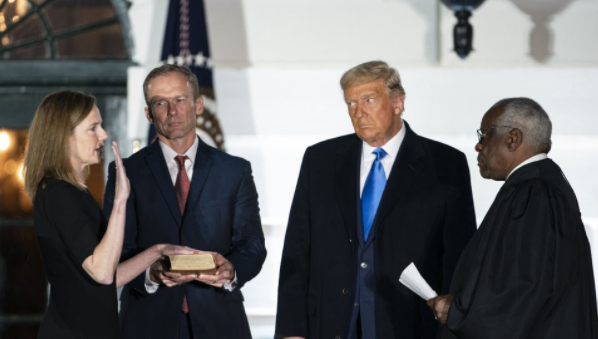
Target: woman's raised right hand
(123, 188)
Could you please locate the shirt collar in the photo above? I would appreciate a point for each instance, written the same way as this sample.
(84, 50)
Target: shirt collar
(170, 154)
(391, 147)
(534, 158)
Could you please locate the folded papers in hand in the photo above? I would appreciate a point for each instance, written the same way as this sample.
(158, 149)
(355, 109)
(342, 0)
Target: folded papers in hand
(415, 282)
(192, 263)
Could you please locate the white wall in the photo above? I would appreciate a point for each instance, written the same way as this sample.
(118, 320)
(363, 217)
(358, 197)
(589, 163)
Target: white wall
(445, 104)
(276, 79)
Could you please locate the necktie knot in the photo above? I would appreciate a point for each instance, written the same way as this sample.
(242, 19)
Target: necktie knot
(180, 161)
(379, 153)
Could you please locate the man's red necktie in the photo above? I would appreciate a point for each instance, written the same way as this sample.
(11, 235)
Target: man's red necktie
(181, 188)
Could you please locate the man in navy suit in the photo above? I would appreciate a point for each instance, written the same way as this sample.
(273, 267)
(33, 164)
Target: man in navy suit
(186, 192)
(366, 205)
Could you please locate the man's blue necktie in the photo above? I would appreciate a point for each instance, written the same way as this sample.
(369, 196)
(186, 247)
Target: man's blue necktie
(372, 191)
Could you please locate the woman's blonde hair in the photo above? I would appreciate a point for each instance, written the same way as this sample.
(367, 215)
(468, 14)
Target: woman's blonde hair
(48, 147)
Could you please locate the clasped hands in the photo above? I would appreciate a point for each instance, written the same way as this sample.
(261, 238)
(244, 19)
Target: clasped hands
(160, 273)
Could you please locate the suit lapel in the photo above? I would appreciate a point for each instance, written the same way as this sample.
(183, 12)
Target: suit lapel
(406, 168)
(157, 164)
(346, 173)
(201, 170)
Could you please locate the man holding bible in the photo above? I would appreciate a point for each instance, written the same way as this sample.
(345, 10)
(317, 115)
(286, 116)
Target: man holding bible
(186, 192)
(527, 272)
(366, 205)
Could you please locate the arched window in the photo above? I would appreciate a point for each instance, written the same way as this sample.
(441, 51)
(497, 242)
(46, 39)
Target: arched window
(64, 29)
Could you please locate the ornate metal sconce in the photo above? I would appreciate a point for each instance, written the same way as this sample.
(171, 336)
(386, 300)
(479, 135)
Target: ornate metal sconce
(463, 31)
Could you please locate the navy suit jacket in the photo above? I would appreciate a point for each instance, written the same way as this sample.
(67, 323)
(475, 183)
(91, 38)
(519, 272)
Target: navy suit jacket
(425, 216)
(221, 215)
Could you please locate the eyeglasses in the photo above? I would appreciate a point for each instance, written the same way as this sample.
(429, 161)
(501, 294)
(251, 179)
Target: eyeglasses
(481, 132)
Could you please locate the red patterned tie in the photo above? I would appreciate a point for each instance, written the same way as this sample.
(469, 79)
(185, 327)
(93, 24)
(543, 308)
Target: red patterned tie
(181, 185)
(181, 188)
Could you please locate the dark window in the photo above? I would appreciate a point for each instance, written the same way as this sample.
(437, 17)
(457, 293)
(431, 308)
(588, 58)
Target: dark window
(61, 29)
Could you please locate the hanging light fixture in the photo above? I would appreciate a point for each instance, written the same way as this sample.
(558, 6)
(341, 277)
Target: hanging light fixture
(463, 31)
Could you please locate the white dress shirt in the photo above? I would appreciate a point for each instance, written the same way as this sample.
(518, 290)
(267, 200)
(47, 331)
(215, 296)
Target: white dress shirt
(173, 169)
(368, 158)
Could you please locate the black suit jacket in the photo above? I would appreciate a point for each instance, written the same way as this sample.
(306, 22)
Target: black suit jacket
(221, 215)
(426, 216)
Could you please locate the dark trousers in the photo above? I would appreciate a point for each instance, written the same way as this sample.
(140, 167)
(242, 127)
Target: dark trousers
(358, 332)
(185, 331)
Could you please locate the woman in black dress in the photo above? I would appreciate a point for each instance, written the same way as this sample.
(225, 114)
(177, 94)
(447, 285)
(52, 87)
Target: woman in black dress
(80, 248)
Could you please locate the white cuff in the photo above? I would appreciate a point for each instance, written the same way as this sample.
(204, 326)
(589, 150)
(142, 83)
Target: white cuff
(150, 286)
(230, 285)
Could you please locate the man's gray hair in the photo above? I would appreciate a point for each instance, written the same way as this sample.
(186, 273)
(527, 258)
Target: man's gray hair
(530, 118)
(373, 71)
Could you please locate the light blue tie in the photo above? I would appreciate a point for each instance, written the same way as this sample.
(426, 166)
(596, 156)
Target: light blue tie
(372, 191)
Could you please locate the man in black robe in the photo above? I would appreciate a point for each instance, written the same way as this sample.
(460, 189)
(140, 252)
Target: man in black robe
(527, 272)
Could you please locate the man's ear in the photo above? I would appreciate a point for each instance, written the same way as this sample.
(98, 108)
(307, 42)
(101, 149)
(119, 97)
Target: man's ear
(515, 139)
(148, 115)
(199, 105)
(398, 104)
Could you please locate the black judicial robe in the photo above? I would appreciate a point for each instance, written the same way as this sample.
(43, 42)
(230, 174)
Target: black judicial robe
(527, 272)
